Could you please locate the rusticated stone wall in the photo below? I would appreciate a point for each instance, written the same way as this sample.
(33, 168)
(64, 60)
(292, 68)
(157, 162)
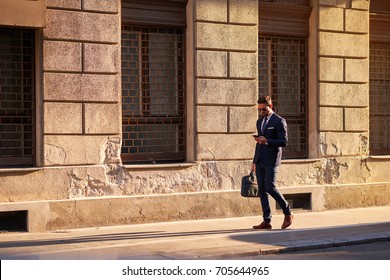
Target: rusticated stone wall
(226, 78)
(343, 51)
(81, 82)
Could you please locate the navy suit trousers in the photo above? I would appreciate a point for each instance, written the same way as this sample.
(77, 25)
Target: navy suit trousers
(266, 176)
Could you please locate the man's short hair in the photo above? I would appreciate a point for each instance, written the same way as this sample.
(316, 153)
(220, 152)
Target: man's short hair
(265, 100)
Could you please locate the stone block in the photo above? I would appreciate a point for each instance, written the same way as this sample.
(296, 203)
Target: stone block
(211, 10)
(357, 70)
(74, 149)
(356, 119)
(102, 118)
(357, 21)
(211, 64)
(242, 119)
(234, 92)
(331, 119)
(108, 6)
(361, 4)
(331, 18)
(226, 37)
(333, 94)
(331, 69)
(64, 4)
(63, 118)
(345, 45)
(212, 119)
(343, 144)
(81, 87)
(225, 146)
(82, 26)
(243, 11)
(101, 58)
(62, 56)
(243, 65)
(336, 3)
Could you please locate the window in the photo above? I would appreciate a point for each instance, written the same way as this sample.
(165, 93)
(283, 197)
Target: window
(17, 97)
(283, 72)
(283, 75)
(380, 98)
(379, 78)
(152, 94)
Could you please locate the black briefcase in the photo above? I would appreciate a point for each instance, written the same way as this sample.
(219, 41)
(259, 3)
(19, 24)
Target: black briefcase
(249, 186)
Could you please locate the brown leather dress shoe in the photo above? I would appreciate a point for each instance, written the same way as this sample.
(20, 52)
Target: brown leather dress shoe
(287, 221)
(263, 225)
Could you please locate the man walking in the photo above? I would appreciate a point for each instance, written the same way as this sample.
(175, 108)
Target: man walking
(272, 137)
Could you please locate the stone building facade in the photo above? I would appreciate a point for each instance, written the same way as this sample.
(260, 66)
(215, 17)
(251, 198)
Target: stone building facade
(120, 112)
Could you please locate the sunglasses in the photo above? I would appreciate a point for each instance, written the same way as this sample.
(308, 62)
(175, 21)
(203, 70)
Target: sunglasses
(262, 109)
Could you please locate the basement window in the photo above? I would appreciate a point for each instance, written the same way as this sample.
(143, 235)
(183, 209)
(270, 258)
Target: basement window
(13, 221)
(298, 201)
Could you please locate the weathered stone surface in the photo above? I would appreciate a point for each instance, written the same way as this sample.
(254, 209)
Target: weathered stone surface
(65, 4)
(243, 65)
(226, 37)
(111, 6)
(242, 119)
(71, 25)
(357, 196)
(211, 64)
(331, 69)
(63, 118)
(335, 44)
(224, 147)
(356, 70)
(360, 4)
(243, 11)
(233, 92)
(336, 3)
(331, 119)
(62, 56)
(75, 149)
(357, 21)
(101, 58)
(343, 144)
(81, 87)
(212, 119)
(357, 119)
(334, 94)
(331, 18)
(211, 10)
(102, 118)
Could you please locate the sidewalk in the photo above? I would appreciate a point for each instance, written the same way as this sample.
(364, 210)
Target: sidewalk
(228, 238)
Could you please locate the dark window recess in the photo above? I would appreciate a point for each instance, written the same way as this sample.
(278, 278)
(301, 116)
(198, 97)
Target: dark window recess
(13, 221)
(153, 84)
(16, 97)
(380, 98)
(283, 75)
(299, 201)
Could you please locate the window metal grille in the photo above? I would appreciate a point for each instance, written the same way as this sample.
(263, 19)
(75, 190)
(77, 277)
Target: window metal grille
(16, 97)
(283, 75)
(152, 94)
(379, 98)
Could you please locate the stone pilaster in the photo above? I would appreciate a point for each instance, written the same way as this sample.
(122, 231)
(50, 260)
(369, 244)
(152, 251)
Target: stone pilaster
(226, 41)
(81, 81)
(343, 52)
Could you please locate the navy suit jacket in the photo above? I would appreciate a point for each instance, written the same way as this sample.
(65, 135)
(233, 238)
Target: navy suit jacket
(276, 134)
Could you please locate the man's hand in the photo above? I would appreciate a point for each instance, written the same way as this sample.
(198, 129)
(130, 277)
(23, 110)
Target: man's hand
(261, 140)
(253, 167)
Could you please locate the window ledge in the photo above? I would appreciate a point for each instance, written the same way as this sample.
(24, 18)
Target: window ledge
(306, 160)
(385, 157)
(157, 166)
(20, 170)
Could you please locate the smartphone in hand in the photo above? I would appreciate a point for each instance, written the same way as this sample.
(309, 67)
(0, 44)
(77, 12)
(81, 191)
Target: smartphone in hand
(255, 136)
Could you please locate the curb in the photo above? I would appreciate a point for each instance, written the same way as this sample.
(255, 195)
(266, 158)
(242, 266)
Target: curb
(377, 237)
